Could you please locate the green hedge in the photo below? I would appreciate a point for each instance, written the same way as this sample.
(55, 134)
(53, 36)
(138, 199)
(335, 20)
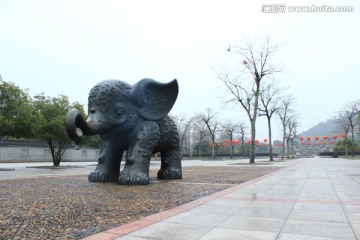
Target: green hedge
(336, 154)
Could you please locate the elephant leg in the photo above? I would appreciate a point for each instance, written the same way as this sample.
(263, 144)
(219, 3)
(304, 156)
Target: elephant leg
(170, 165)
(136, 170)
(108, 167)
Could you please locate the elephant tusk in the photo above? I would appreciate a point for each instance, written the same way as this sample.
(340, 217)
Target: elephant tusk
(78, 132)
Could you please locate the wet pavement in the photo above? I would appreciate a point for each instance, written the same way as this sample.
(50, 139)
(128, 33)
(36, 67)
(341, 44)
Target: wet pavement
(315, 198)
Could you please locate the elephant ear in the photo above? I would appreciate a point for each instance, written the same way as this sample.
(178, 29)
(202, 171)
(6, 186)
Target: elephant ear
(153, 99)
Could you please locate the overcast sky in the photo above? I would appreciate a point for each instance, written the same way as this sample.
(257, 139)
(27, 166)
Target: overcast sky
(67, 46)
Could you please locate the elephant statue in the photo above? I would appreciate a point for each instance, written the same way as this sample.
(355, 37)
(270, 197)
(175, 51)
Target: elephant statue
(131, 119)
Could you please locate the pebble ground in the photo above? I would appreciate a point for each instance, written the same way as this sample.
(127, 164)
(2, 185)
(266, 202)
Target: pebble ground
(70, 207)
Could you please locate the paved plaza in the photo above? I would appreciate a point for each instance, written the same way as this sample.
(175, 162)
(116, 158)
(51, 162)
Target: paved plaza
(312, 198)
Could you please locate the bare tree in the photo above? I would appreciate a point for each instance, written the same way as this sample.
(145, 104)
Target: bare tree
(183, 124)
(292, 125)
(230, 128)
(269, 98)
(256, 64)
(284, 112)
(212, 124)
(242, 131)
(344, 126)
(199, 132)
(349, 118)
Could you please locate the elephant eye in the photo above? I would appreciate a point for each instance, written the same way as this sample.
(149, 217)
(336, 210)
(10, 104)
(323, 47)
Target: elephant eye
(119, 111)
(92, 110)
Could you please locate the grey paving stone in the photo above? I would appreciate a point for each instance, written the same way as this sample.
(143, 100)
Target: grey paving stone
(236, 234)
(253, 223)
(320, 229)
(173, 231)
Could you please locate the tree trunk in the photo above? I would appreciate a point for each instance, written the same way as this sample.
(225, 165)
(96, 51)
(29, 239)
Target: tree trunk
(213, 150)
(292, 149)
(270, 140)
(287, 149)
(353, 142)
(252, 147)
(56, 153)
(283, 146)
(242, 147)
(253, 120)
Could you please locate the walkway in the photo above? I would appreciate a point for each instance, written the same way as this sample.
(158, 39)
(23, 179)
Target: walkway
(312, 199)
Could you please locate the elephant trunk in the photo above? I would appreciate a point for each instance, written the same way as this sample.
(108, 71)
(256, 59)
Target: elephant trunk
(76, 126)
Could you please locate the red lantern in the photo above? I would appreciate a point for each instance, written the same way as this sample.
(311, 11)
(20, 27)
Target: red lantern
(335, 136)
(325, 137)
(265, 140)
(301, 138)
(317, 138)
(331, 142)
(238, 141)
(224, 144)
(314, 143)
(210, 144)
(249, 141)
(257, 141)
(265, 144)
(343, 135)
(281, 145)
(227, 140)
(325, 143)
(308, 143)
(302, 143)
(308, 138)
(276, 144)
(320, 143)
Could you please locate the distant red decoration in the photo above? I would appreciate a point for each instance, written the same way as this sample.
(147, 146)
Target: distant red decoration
(343, 135)
(308, 143)
(224, 144)
(325, 143)
(257, 141)
(320, 143)
(314, 143)
(302, 143)
(301, 138)
(331, 142)
(325, 137)
(238, 141)
(317, 138)
(265, 144)
(276, 144)
(227, 140)
(265, 140)
(281, 145)
(248, 141)
(308, 138)
(210, 144)
(335, 136)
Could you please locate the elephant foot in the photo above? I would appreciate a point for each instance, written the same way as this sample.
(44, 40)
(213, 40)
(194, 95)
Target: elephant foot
(169, 174)
(102, 177)
(133, 179)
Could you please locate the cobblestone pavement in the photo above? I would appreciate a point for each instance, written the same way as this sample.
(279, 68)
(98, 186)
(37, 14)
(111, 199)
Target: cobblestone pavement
(69, 207)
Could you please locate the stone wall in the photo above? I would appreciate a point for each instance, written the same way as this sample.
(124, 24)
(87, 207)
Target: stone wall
(42, 154)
